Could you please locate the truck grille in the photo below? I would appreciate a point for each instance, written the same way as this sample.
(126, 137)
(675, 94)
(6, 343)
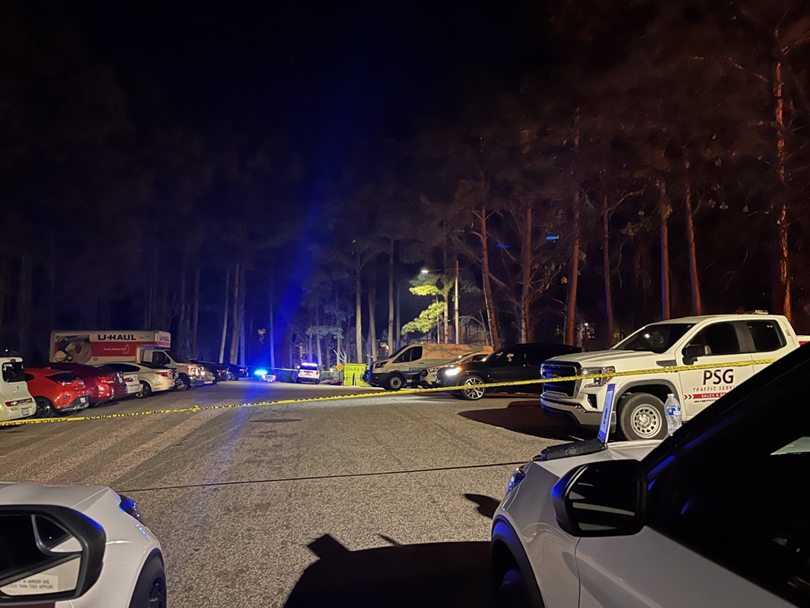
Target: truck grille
(559, 370)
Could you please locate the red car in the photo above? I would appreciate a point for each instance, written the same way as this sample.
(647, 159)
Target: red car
(56, 391)
(104, 385)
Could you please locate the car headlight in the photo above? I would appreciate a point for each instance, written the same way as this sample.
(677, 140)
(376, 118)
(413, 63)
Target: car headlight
(516, 478)
(596, 382)
(453, 371)
(130, 507)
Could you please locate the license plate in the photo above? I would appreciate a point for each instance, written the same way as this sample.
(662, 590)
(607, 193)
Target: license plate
(27, 411)
(82, 399)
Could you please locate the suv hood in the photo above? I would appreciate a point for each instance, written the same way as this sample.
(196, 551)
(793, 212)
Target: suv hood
(77, 497)
(608, 357)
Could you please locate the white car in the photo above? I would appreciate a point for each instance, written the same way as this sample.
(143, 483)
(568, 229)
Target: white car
(715, 515)
(151, 378)
(15, 400)
(116, 561)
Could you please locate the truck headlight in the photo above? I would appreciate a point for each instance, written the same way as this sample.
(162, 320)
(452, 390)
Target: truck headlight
(596, 382)
(516, 478)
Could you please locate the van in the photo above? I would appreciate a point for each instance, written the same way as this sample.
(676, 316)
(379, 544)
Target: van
(405, 366)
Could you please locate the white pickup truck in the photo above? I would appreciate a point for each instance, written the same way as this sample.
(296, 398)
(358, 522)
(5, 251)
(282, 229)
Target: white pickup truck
(731, 342)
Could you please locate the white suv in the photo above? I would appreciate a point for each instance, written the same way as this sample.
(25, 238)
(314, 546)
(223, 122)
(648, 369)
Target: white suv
(716, 515)
(731, 342)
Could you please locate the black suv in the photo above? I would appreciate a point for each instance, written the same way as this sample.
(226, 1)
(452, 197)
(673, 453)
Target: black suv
(509, 364)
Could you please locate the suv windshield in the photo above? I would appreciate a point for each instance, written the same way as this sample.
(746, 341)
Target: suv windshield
(13, 371)
(656, 338)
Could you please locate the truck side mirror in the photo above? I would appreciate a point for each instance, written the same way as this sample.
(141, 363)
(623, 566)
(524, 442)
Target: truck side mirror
(692, 352)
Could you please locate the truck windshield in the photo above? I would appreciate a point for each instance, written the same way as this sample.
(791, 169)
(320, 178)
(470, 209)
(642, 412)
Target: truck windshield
(13, 371)
(177, 358)
(657, 338)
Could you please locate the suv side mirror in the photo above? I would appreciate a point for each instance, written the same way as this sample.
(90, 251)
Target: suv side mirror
(607, 498)
(49, 554)
(693, 351)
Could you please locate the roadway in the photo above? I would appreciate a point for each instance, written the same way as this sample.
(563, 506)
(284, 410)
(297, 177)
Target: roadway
(380, 501)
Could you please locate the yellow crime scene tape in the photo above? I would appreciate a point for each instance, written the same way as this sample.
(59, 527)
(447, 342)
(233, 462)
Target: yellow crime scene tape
(416, 391)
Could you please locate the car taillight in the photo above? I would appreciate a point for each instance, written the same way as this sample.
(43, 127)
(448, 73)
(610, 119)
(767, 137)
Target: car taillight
(19, 402)
(107, 379)
(165, 374)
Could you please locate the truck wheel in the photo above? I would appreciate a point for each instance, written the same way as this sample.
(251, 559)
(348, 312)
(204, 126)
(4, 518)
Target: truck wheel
(641, 416)
(472, 390)
(394, 382)
(45, 408)
(146, 390)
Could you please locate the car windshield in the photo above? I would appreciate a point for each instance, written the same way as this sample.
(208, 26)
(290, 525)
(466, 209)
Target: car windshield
(657, 338)
(13, 371)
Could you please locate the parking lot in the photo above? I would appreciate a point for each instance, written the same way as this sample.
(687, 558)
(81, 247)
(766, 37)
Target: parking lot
(376, 501)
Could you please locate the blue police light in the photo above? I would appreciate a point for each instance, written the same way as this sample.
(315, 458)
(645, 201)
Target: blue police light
(260, 372)
(552, 237)
(308, 365)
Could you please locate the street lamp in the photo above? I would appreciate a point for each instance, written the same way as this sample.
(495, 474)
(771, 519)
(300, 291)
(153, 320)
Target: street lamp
(424, 271)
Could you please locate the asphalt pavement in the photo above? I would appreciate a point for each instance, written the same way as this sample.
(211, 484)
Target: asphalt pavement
(378, 501)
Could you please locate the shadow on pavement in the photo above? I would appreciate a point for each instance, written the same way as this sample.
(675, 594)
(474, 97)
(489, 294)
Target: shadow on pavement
(527, 417)
(434, 575)
(486, 504)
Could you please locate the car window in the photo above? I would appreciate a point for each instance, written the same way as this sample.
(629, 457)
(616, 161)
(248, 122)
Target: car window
(767, 336)
(507, 357)
(13, 371)
(721, 338)
(739, 497)
(656, 338)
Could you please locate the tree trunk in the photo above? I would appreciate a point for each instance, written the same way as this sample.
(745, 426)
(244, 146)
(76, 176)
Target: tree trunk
(271, 325)
(181, 323)
(2, 293)
(573, 278)
(318, 335)
(490, 303)
(391, 299)
(25, 305)
(338, 336)
(372, 329)
(358, 313)
(455, 305)
(398, 328)
(225, 311)
(242, 298)
(664, 211)
(237, 276)
(195, 313)
(783, 296)
(607, 271)
(525, 297)
(697, 300)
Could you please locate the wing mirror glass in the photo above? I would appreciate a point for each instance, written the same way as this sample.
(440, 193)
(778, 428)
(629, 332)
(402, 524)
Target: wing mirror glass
(692, 352)
(47, 554)
(602, 499)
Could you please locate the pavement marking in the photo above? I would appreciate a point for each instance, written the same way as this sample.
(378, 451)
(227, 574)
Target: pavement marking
(323, 477)
(418, 391)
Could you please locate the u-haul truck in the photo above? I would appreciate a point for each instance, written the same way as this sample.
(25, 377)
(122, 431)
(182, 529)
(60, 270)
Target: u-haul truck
(99, 347)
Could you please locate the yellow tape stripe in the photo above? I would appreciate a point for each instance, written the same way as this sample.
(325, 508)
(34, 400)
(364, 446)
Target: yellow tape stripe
(417, 391)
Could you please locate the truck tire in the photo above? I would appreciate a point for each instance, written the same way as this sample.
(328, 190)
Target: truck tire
(394, 382)
(641, 416)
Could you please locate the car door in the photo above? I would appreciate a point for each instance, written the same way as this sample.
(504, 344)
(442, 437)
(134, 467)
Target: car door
(727, 522)
(507, 366)
(768, 341)
(727, 345)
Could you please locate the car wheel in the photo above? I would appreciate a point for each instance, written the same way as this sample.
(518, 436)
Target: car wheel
(45, 408)
(472, 390)
(641, 416)
(183, 383)
(513, 592)
(394, 382)
(146, 390)
(150, 590)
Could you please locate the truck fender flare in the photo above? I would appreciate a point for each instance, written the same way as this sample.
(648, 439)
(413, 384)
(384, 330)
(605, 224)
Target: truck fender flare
(641, 383)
